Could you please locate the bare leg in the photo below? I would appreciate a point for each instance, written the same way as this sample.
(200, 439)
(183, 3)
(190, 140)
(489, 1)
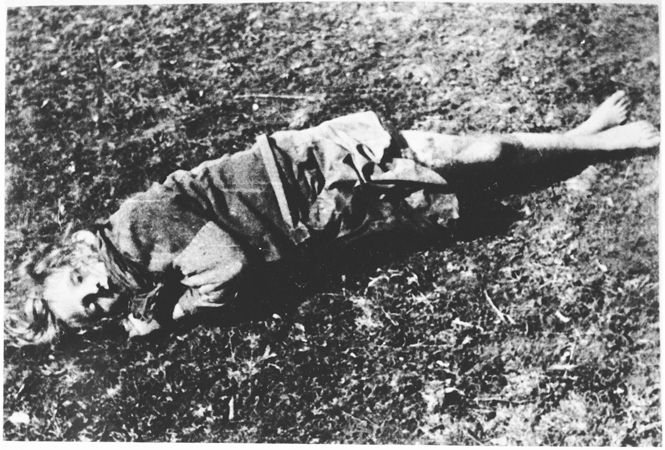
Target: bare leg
(439, 150)
(612, 112)
(523, 161)
(607, 145)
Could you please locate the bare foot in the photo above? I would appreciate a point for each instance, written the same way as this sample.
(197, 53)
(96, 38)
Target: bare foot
(612, 112)
(636, 135)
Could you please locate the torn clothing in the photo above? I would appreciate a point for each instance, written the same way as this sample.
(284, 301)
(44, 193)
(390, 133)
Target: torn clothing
(338, 181)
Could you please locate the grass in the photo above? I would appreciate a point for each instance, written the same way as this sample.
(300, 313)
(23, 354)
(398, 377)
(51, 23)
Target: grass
(103, 101)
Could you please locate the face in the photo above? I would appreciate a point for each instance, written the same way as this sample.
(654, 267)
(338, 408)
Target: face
(79, 296)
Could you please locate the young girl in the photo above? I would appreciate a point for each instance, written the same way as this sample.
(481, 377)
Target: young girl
(187, 246)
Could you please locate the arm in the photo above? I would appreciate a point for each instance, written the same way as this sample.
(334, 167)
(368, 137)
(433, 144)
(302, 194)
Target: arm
(201, 277)
(154, 310)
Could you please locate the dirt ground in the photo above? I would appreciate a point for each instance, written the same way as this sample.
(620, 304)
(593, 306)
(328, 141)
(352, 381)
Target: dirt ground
(103, 101)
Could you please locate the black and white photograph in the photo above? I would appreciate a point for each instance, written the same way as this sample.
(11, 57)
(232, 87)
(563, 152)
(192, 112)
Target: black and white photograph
(332, 223)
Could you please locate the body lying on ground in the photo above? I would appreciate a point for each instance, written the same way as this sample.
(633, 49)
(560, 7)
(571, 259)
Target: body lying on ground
(185, 247)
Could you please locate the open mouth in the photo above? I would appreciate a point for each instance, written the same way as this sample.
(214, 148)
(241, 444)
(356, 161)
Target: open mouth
(101, 302)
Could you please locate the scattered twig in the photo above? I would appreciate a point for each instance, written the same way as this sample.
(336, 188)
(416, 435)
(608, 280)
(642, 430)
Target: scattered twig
(473, 438)
(102, 77)
(458, 321)
(561, 367)
(503, 400)
(502, 317)
(385, 313)
(364, 419)
(651, 426)
(281, 96)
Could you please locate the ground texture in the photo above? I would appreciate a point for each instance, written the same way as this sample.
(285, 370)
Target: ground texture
(101, 102)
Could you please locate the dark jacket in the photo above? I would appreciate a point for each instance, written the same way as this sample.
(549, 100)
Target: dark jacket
(198, 231)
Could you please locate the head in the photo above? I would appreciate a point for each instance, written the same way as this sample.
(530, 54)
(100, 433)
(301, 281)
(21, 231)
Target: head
(70, 285)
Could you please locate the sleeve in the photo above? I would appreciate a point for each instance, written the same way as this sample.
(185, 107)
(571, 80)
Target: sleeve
(203, 275)
(210, 266)
(374, 159)
(362, 134)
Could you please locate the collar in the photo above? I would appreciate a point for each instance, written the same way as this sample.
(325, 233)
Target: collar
(125, 273)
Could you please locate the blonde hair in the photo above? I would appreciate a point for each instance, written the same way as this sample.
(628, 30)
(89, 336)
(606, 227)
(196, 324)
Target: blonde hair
(34, 325)
(29, 320)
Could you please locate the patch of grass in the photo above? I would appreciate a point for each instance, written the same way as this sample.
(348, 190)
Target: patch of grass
(103, 101)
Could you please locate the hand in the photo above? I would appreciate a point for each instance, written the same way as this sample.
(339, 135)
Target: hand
(178, 312)
(137, 327)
